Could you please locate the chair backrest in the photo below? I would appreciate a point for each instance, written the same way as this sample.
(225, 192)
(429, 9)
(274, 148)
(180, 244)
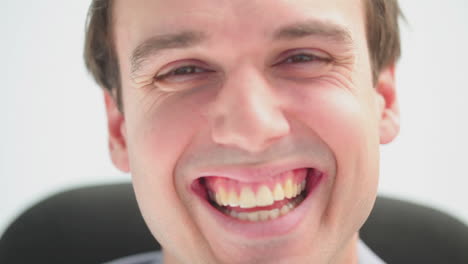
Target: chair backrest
(101, 223)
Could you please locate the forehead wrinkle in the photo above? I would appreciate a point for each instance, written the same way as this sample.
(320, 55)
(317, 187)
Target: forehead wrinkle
(311, 28)
(155, 44)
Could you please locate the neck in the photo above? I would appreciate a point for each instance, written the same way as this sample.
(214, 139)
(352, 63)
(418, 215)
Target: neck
(350, 253)
(347, 256)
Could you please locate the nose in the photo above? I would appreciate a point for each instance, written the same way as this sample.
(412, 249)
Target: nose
(246, 114)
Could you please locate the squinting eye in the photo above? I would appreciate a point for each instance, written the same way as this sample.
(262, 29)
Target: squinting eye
(182, 72)
(187, 70)
(303, 64)
(299, 58)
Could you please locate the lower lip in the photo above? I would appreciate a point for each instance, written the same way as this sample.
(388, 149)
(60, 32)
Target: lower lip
(270, 228)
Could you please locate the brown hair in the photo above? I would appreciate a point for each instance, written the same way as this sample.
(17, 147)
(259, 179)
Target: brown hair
(383, 33)
(99, 51)
(383, 39)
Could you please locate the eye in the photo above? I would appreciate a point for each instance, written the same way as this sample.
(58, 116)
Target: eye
(303, 64)
(304, 58)
(182, 73)
(187, 70)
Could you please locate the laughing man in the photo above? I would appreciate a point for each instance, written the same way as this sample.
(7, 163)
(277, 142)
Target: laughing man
(251, 128)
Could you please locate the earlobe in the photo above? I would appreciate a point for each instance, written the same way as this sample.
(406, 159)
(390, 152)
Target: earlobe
(117, 133)
(389, 125)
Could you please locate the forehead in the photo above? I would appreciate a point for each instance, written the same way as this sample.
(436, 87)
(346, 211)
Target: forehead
(138, 19)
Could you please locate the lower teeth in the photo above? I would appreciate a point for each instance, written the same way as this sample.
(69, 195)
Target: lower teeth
(264, 215)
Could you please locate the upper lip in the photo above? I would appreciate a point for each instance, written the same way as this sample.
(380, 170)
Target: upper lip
(257, 172)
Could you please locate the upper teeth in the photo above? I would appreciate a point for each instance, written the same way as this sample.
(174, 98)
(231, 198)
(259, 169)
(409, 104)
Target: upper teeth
(265, 195)
(263, 215)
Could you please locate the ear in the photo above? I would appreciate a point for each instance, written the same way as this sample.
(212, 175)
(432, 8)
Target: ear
(117, 133)
(389, 114)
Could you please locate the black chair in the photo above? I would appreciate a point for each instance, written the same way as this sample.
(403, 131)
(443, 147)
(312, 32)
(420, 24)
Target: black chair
(101, 223)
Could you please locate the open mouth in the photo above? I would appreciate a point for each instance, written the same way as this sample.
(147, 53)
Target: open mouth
(259, 201)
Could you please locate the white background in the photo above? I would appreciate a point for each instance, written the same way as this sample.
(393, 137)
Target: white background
(52, 123)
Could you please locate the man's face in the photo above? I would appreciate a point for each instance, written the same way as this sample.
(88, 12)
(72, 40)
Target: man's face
(251, 128)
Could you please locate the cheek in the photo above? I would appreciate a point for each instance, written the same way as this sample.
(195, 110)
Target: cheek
(342, 118)
(163, 128)
(346, 122)
(160, 127)
(157, 137)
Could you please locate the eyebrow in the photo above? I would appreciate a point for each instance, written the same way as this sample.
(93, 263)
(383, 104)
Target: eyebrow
(157, 43)
(186, 39)
(310, 28)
